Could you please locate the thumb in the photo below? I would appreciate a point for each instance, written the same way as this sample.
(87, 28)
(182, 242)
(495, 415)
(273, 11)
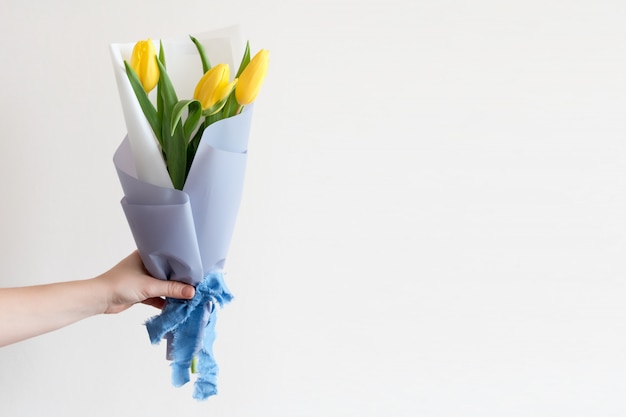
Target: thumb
(174, 289)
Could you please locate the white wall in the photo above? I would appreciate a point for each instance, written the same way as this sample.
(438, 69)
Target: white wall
(434, 220)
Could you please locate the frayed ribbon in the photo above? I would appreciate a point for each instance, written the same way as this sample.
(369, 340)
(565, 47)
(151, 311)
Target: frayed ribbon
(191, 325)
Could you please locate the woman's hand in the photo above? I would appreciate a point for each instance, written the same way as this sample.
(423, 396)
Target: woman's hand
(128, 283)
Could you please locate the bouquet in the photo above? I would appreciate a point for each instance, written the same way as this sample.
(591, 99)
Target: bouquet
(182, 167)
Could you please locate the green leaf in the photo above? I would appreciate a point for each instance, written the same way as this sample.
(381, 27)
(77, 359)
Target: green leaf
(192, 147)
(174, 144)
(177, 158)
(193, 117)
(168, 101)
(146, 105)
(231, 106)
(215, 117)
(166, 88)
(159, 97)
(206, 64)
(162, 53)
(245, 60)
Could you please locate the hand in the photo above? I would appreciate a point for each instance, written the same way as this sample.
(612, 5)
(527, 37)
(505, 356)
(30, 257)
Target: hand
(34, 310)
(128, 283)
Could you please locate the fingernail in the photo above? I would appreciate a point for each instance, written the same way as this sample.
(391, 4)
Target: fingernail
(188, 292)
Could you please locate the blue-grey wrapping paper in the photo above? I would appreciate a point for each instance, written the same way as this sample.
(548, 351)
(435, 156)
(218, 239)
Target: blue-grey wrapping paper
(185, 236)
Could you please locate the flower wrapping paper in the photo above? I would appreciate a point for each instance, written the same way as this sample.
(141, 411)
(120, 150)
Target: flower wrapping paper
(184, 235)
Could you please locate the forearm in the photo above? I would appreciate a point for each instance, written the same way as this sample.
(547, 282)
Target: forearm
(30, 311)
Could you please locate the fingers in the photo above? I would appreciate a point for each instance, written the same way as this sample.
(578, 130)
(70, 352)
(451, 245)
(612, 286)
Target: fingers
(154, 302)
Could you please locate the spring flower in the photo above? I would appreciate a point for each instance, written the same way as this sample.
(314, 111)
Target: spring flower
(252, 78)
(143, 62)
(213, 86)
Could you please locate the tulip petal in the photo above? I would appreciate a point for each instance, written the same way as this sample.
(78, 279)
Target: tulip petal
(252, 78)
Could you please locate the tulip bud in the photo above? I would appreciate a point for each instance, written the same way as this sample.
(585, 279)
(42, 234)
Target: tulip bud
(143, 62)
(211, 86)
(252, 78)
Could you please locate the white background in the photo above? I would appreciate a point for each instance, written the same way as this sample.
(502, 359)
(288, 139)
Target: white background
(434, 218)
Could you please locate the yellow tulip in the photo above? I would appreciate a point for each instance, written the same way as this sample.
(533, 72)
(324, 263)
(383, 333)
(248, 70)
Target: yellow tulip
(211, 86)
(252, 78)
(143, 62)
(225, 92)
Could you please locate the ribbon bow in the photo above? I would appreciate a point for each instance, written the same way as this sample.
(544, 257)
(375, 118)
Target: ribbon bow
(190, 325)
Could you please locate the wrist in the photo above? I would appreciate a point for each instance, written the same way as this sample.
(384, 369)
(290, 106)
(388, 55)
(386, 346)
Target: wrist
(101, 294)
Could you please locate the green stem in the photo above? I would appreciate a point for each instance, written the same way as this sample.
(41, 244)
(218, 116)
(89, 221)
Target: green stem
(194, 365)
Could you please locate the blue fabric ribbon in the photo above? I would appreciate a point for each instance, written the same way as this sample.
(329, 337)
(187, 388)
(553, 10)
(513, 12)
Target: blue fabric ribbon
(191, 326)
